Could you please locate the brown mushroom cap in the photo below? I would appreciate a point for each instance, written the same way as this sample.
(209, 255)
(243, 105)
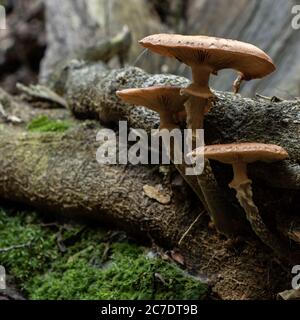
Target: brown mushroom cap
(155, 98)
(215, 53)
(243, 152)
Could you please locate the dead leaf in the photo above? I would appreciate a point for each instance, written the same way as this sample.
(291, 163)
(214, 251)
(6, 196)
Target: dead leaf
(295, 235)
(14, 119)
(289, 295)
(157, 193)
(42, 93)
(177, 256)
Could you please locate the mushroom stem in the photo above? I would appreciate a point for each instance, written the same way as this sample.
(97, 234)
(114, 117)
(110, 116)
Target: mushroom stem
(245, 197)
(239, 174)
(237, 83)
(195, 110)
(166, 120)
(242, 184)
(200, 97)
(196, 107)
(201, 75)
(193, 183)
(175, 149)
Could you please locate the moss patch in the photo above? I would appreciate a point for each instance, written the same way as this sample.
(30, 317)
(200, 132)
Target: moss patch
(44, 124)
(88, 263)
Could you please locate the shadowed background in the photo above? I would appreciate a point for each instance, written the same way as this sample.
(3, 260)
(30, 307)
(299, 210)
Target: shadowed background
(265, 23)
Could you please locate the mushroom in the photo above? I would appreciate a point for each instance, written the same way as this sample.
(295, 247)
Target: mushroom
(239, 155)
(207, 55)
(166, 100)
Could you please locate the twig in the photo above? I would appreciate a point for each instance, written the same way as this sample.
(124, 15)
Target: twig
(39, 92)
(190, 227)
(18, 246)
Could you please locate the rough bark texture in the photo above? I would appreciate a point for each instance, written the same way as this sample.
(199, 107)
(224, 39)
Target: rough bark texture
(233, 119)
(91, 93)
(60, 174)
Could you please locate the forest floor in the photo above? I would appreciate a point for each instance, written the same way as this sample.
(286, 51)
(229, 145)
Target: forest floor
(49, 258)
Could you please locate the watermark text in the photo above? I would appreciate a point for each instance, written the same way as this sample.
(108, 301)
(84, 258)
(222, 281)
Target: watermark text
(2, 18)
(2, 278)
(136, 146)
(296, 19)
(296, 278)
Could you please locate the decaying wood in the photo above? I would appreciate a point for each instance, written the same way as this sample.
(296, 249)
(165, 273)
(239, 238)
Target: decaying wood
(59, 173)
(90, 92)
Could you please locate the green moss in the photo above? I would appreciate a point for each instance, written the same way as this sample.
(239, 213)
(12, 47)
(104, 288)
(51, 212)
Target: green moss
(22, 229)
(44, 124)
(94, 266)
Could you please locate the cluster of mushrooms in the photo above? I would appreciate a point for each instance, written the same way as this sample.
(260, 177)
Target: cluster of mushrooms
(206, 56)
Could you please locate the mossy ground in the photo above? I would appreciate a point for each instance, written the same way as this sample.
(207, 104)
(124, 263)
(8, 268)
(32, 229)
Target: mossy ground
(75, 262)
(44, 124)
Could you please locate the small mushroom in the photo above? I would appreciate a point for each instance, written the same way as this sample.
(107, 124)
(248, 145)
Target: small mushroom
(207, 55)
(239, 155)
(166, 100)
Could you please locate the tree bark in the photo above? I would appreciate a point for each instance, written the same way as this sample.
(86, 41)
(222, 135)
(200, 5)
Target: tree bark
(59, 173)
(91, 93)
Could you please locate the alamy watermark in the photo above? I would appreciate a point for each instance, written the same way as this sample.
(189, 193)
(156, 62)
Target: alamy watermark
(296, 19)
(133, 146)
(296, 278)
(2, 18)
(2, 278)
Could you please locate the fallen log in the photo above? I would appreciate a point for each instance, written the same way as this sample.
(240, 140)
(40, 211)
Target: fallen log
(233, 119)
(90, 93)
(89, 90)
(59, 173)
